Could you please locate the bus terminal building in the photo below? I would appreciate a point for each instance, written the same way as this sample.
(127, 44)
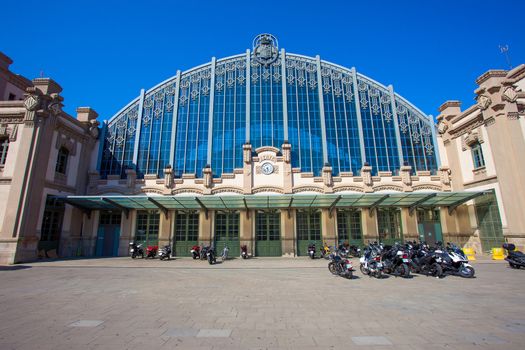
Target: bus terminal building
(266, 148)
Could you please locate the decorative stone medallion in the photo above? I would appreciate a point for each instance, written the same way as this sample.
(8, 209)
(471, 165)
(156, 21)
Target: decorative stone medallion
(265, 49)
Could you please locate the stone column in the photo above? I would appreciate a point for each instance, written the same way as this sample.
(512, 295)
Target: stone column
(205, 227)
(89, 233)
(369, 225)
(328, 227)
(288, 233)
(127, 232)
(165, 234)
(247, 168)
(409, 225)
(246, 234)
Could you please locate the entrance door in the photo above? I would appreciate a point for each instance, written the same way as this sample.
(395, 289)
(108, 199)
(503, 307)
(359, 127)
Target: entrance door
(429, 226)
(108, 235)
(489, 222)
(308, 231)
(389, 226)
(268, 233)
(227, 233)
(51, 226)
(349, 227)
(186, 232)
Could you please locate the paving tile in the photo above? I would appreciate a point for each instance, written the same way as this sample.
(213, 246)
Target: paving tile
(214, 333)
(86, 323)
(371, 340)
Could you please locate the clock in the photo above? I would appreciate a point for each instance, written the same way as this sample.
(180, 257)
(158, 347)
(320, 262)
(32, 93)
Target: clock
(267, 168)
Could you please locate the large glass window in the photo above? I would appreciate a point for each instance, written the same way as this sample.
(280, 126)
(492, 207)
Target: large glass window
(268, 226)
(226, 226)
(147, 227)
(477, 156)
(349, 226)
(52, 220)
(308, 225)
(61, 165)
(4, 147)
(389, 225)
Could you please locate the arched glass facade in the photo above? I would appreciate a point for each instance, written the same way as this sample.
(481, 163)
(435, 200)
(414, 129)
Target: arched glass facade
(328, 113)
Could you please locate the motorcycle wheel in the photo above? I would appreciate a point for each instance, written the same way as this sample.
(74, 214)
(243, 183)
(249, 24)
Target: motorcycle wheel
(210, 261)
(133, 256)
(194, 256)
(466, 272)
(364, 270)
(332, 268)
(514, 266)
(349, 275)
(379, 274)
(436, 270)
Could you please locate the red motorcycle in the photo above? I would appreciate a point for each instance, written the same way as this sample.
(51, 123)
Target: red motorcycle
(151, 251)
(195, 252)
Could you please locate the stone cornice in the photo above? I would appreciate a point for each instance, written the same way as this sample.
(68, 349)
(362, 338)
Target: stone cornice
(449, 104)
(493, 73)
(515, 74)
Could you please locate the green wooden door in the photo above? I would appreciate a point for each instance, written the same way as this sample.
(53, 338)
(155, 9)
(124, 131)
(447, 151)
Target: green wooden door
(186, 232)
(268, 233)
(349, 227)
(108, 235)
(308, 225)
(227, 233)
(429, 226)
(389, 226)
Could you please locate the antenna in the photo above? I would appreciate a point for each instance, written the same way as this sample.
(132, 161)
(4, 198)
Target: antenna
(504, 49)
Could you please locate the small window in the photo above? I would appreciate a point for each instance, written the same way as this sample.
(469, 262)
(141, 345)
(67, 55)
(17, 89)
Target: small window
(11, 97)
(63, 155)
(4, 147)
(477, 156)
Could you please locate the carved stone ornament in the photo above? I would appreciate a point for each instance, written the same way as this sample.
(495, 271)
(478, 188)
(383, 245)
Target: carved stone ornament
(483, 102)
(442, 127)
(247, 153)
(327, 176)
(131, 178)
(406, 178)
(32, 102)
(168, 177)
(366, 174)
(510, 94)
(265, 49)
(93, 128)
(287, 152)
(208, 180)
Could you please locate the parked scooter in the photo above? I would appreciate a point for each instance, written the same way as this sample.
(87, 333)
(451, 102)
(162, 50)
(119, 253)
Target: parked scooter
(370, 262)
(210, 255)
(165, 252)
(151, 251)
(136, 250)
(204, 252)
(224, 255)
(244, 251)
(195, 252)
(395, 261)
(515, 258)
(340, 266)
(311, 251)
(454, 261)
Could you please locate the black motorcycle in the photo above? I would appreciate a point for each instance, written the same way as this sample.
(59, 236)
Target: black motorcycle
(204, 252)
(311, 251)
(244, 251)
(396, 261)
(210, 255)
(340, 266)
(165, 252)
(515, 258)
(425, 261)
(136, 250)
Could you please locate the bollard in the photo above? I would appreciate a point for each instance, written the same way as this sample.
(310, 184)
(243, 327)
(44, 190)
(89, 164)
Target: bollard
(497, 254)
(470, 253)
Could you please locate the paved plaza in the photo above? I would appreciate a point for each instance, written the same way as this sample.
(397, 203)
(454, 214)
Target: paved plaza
(266, 303)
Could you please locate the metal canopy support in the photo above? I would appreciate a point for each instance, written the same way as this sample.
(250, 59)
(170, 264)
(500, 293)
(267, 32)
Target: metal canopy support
(376, 204)
(457, 203)
(160, 206)
(246, 207)
(289, 209)
(321, 108)
(137, 129)
(202, 206)
(418, 202)
(85, 210)
(115, 204)
(332, 206)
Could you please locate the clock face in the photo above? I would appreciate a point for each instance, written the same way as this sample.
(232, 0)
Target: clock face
(267, 168)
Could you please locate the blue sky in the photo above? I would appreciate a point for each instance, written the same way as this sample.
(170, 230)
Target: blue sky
(103, 52)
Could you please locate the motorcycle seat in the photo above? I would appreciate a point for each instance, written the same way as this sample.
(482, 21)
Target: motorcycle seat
(516, 254)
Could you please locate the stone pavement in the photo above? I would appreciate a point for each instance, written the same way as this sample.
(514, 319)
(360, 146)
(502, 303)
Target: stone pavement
(273, 303)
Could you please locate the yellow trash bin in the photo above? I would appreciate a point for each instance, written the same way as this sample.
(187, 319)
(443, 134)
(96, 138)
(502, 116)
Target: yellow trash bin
(497, 254)
(470, 253)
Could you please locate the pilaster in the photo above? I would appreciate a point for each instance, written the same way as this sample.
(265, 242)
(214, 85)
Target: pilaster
(246, 234)
(328, 227)
(369, 225)
(205, 227)
(288, 235)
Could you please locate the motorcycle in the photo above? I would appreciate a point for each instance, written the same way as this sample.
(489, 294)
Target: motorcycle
(195, 252)
(370, 261)
(151, 251)
(454, 261)
(311, 251)
(165, 252)
(340, 267)
(204, 252)
(244, 251)
(395, 261)
(515, 258)
(136, 250)
(424, 261)
(354, 251)
(224, 255)
(210, 255)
